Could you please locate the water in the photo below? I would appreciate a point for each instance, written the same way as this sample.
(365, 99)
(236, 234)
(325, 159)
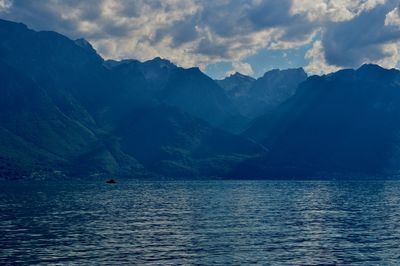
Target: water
(200, 223)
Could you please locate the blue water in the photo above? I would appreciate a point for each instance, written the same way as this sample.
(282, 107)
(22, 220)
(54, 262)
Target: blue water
(200, 223)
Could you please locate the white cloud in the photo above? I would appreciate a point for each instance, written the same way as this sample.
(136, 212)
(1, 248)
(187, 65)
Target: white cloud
(393, 18)
(188, 32)
(318, 64)
(243, 68)
(392, 55)
(198, 32)
(333, 10)
(5, 5)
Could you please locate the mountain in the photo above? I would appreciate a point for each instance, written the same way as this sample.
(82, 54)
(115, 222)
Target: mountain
(36, 135)
(21, 100)
(155, 71)
(255, 97)
(190, 90)
(66, 112)
(345, 124)
(74, 79)
(195, 93)
(276, 86)
(236, 85)
(170, 142)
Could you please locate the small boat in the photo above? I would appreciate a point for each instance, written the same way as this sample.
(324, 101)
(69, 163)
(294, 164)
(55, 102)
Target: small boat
(111, 181)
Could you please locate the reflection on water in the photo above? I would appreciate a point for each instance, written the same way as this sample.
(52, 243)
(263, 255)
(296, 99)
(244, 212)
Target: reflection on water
(200, 222)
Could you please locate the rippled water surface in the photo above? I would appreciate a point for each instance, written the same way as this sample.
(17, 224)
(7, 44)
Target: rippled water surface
(200, 222)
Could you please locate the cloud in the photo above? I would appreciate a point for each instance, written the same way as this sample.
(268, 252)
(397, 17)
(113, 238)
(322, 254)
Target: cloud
(333, 11)
(365, 38)
(243, 68)
(199, 33)
(189, 32)
(393, 18)
(5, 5)
(318, 64)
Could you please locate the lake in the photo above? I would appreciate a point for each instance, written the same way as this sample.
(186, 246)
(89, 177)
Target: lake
(200, 222)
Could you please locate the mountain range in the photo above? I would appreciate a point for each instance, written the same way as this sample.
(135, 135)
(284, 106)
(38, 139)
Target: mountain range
(255, 97)
(342, 124)
(66, 112)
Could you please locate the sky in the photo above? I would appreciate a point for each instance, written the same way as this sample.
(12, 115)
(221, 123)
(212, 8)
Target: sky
(226, 36)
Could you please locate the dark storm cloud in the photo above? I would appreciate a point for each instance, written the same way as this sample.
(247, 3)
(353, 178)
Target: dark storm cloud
(208, 47)
(271, 14)
(181, 32)
(354, 42)
(41, 14)
(65, 16)
(234, 20)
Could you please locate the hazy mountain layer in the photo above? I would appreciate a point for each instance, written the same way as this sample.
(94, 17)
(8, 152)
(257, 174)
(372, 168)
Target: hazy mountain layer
(347, 122)
(256, 97)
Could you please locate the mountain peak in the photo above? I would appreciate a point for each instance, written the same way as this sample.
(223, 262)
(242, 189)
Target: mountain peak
(83, 43)
(194, 70)
(283, 71)
(370, 67)
(87, 46)
(116, 63)
(376, 72)
(237, 74)
(240, 76)
(7, 23)
(159, 59)
(160, 62)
